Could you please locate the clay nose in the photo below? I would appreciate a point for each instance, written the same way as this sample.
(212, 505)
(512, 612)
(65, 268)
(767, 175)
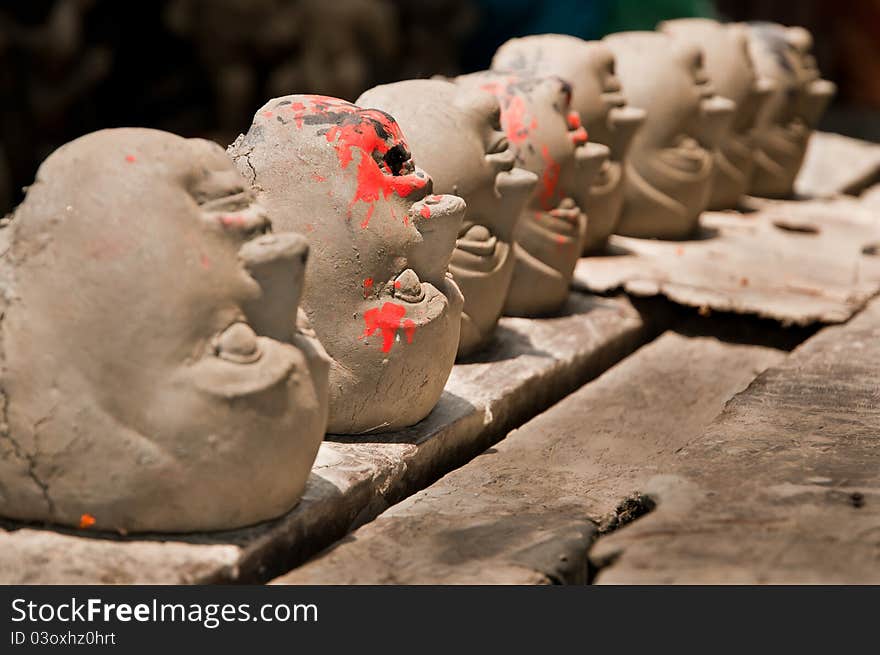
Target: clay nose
(716, 114)
(277, 262)
(759, 96)
(438, 219)
(513, 189)
(815, 100)
(625, 123)
(589, 158)
(764, 86)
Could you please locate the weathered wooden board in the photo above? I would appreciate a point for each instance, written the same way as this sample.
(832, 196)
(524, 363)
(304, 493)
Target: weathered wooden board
(527, 510)
(533, 364)
(783, 487)
(795, 262)
(837, 164)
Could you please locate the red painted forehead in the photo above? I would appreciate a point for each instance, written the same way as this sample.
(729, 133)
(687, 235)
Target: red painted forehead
(384, 164)
(326, 111)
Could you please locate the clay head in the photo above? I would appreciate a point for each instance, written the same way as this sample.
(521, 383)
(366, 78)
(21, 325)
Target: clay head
(596, 95)
(549, 140)
(799, 97)
(669, 170)
(378, 296)
(732, 74)
(455, 133)
(154, 376)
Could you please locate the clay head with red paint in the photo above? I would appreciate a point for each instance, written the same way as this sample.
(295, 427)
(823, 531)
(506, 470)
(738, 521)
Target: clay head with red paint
(782, 56)
(732, 74)
(548, 139)
(154, 375)
(588, 66)
(456, 134)
(378, 292)
(669, 168)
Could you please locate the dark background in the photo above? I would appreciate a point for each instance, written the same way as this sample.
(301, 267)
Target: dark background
(203, 67)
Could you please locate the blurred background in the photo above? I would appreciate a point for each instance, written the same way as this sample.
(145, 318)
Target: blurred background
(203, 67)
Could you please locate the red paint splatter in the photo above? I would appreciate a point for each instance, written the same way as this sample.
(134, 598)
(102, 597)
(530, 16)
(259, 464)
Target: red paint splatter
(318, 178)
(561, 240)
(371, 132)
(298, 107)
(579, 136)
(130, 159)
(549, 179)
(233, 221)
(515, 117)
(425, 211)
(368, 286)
(409, 328)
(494, 88)
(267, 114)
(373, 182)
(86, 521)
(205, 262)
(578, 133)
(396, 284)
(388, 321)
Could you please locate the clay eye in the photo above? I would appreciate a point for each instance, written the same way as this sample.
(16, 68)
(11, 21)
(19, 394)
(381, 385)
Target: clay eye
(497, 144)
(232, 200)
(397, 158)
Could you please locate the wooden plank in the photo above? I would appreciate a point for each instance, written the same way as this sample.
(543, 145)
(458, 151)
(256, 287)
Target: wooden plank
(783, 487)
(837, 164)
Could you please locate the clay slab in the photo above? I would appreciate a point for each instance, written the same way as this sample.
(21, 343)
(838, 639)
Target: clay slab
(782, 488)
(795, 262)
(837, 164)
(532, 364)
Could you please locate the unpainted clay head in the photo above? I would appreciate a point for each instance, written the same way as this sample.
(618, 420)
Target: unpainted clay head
(455, 133)
(549, 140)
(154, 377)
(378, 293)
(669, 170)
(799, 97)
(732, 74)
(588, 66)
